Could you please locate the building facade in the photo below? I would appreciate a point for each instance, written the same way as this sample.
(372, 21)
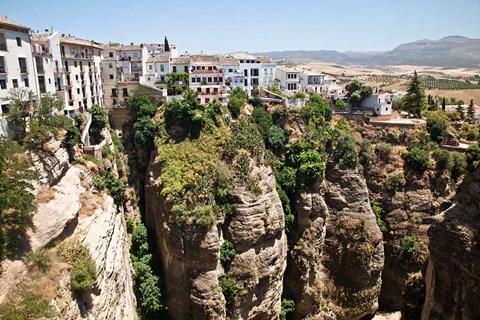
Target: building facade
(289, 79)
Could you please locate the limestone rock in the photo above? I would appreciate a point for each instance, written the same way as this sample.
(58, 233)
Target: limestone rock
(50, 163)
(52, 217)
(453, 274)
(334, 269)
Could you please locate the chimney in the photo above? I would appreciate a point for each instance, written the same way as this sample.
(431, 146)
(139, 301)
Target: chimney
(131, 43)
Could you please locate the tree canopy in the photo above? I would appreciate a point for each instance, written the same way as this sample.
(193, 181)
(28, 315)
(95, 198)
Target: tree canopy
(357, 92)
(414, 100)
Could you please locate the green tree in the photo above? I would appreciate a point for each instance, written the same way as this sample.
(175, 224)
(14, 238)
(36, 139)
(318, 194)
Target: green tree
(255, 99)
(472, 156)
(177, 82)
(357, 92)
(437, 127)
(99, 122)
(414, 100)
(137, 99)
(461, 110)
(471, 112)
(238, 98)
(340, 104)
(16, 198)
(144, 131)
(20, 105)
(345, 153)
(417, 159)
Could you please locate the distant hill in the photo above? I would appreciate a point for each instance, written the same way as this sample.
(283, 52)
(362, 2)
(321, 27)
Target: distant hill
(453, 51)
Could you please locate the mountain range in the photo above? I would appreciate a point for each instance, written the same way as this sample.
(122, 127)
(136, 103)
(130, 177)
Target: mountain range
(452, 51)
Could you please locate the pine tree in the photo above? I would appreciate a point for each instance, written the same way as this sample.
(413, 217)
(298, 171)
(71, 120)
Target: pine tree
(461, 111)
(414, 100)
(471, 112)
(443, 104)
(167, 46)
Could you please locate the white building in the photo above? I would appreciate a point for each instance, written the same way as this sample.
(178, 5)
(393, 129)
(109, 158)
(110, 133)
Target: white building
(380, 103)
(81, 62)
(17, 68)
(207, 78)
(44, 50)
(156, 69)
(289, 78)
(231, 72)
(311, 81)
(257, 71)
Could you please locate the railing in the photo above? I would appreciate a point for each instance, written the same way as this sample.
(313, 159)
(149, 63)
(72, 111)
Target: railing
(41, 50)
(3, 47)
(206, 71)
(40, 69)
(3, 69)
(23, 70)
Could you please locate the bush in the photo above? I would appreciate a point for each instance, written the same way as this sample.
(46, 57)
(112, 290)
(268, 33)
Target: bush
(288, 306)
(287, 178)
(227, 253)
(417, 159)
(114, 186)
(378, 211)
(443, 160)
(276, 137)
(83, 273)
(393, 183)
(229, 289)
(99, 122)
(30, 306)
(410, 245)
(384, 150)
(144, 132)
(345, 153)
(437, 127)
(366, 153)
(73, 136)
(264, 121)
(472, 157)
(40, 259)
(459, 165)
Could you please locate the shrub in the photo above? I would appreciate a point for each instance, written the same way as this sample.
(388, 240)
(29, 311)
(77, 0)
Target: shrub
(229, 289)
(264, 121)
(287, 178)
(144, 131)
(366, 153)
(288, 306)
(384, 150)
(299, 95)
(40, 259)
(83, 273)
(227, 253)
(393, 183)
(345, 153)
(73, 136)
(378, 211)
(410, 245)
(417, 159)
(443, 160)
(99, 122)
(437, 127)
(472, 156)
(30, 306)
(276, 137)
(459, 165)
(114, 186)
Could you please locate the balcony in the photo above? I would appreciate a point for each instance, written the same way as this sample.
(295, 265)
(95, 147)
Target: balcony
(206, 71)
(3, 46)
(69, 84)
(39, 50)
(23, 70)
(3, 69)
(40, 69)
(82, 71)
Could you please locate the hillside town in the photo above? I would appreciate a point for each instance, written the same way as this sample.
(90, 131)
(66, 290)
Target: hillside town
(85, 72)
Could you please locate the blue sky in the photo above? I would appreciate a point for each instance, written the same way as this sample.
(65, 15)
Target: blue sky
(220, 26)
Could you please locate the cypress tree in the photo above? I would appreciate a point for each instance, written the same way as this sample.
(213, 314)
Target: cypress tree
(443, 104)
(414, 100)
(167, 47)
(471, 112)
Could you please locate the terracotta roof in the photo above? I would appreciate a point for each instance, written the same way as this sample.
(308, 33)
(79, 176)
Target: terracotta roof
(12, 23)
(181, 60)
(43, 36)
(162, 58)
(81, 42)
(228, 61)
(204, 58)
(123, 47)
(265, 60)
(286, 69)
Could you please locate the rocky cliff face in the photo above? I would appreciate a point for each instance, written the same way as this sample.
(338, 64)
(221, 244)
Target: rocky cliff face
(453, 274)
(190, 254)
(334, 269)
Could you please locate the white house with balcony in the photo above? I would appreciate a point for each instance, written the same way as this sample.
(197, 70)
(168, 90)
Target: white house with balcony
(206, 76)
(289, 79)
(46, 54)
(231, 72)
(257, 71)
(312, 81)
(17, 68)
(380, 103)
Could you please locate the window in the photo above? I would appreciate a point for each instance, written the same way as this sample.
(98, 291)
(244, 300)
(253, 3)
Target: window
(5, 108)
(19, 42)
(114, 92)
(230, 70)
(254, 72)
(75, 64)
(76, 77)
(148, 79)
(23, 65)
(49, 81)
(110, 66)
(26, 82)
(254, 82)
(110, 54)
(245, 73)
(125, 92)
(150, 67)
(162, 68)
(78, 90)
(174, 69)
(3, 84)
(185, 69)
(15, 83)
(111, 76)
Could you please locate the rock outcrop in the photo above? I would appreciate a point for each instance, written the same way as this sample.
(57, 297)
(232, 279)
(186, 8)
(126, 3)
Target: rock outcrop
(50, 163)
(190, 254)
(104, 234)
(453, 273)
(334, 270)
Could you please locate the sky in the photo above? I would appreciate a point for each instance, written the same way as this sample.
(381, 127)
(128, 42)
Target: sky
(223, 26)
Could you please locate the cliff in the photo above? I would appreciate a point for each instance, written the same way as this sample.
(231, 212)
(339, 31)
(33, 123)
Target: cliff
(453, 273)
(190, 253)
(334, 270)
